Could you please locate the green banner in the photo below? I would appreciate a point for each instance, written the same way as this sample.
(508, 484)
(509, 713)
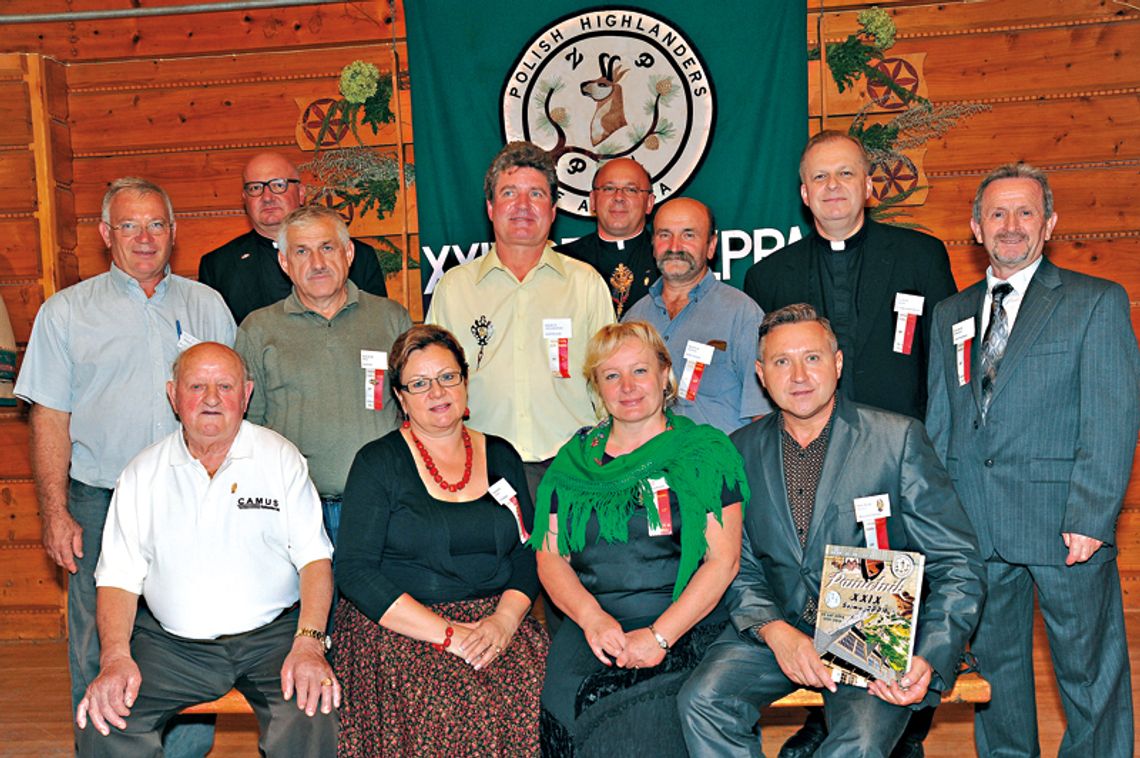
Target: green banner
(710, 97)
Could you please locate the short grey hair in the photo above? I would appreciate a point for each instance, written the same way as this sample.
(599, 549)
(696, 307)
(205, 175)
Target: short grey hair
(521, 155)
(138, 186)
(833, 135)
(796, 313)
(307, 214)
(177, 365)
(1014, 171)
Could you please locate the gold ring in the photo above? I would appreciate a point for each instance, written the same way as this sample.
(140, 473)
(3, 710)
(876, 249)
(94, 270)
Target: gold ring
(326, 682)
(498, 649)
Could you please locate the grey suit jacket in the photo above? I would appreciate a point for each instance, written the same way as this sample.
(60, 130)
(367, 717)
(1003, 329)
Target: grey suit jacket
(870, 452)
(1055, 450)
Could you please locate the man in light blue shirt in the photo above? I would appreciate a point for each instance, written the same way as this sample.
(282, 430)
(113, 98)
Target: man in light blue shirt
(709, 327)
(95, 373)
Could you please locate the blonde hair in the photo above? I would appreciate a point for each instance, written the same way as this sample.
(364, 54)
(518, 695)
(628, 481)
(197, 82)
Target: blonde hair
(609, 340)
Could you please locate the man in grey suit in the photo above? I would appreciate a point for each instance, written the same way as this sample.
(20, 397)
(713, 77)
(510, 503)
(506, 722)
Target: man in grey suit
(810, 464)
(1034, 407)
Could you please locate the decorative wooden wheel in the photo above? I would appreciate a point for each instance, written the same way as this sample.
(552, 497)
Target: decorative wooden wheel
(314, 116)
(899, 71)
(344, 209)
(893, 178)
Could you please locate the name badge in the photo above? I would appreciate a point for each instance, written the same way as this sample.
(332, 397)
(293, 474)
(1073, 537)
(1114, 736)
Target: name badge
(557, 333)
(963, 333)
(506, 496)
(186, 340)
(374, 363)
(698, 356)
(909, 308)
(872, 512)
(664, 526)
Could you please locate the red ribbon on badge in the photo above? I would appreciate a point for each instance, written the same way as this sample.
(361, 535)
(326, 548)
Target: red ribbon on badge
(908, 336)
(516, 509)
(967, 348)
(881, 534)
(564, 357)
(378, 389)
(664, 513)
(694, 381)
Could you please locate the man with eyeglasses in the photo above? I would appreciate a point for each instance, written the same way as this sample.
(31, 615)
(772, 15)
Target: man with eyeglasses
(709, 327)
(620, 250)
(95, 373)
(245, 269)
(319, 357)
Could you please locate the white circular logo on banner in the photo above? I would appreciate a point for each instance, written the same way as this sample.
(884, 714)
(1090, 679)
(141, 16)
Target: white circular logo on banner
(608, 84)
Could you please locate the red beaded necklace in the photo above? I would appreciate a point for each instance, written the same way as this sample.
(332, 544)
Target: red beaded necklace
(429, 464)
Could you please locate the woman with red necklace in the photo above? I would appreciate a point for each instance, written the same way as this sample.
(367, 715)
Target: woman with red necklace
(435, 647)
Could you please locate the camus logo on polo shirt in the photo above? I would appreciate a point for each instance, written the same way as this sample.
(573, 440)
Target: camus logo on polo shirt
(260, 503)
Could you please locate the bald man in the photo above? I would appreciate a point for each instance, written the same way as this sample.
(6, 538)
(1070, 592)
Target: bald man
(620, 250)
(245, 269)
(709, 327)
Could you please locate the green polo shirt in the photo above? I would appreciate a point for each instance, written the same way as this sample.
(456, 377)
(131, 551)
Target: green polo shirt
(308, 382)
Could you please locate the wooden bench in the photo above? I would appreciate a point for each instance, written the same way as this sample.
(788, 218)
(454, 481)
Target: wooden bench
(970, 688)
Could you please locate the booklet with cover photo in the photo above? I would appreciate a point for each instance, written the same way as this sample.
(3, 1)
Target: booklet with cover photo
(868, 604)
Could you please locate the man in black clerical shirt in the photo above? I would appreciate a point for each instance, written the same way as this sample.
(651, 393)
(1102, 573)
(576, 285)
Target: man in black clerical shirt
(878, 285)
(245, 269)
(865, 277)
(621, 250)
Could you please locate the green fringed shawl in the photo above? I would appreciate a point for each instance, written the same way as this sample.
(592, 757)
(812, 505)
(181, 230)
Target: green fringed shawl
(697, 461)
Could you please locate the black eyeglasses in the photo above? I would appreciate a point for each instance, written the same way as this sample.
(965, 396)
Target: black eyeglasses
(610, 190)
(422, 384)
(276, 186)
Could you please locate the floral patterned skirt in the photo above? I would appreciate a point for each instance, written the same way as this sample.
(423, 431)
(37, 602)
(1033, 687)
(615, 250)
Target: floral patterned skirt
(401, 697)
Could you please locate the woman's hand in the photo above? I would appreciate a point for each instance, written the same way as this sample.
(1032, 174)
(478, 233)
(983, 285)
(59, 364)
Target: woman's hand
(605, 637)
(488, 639)
(641, 650)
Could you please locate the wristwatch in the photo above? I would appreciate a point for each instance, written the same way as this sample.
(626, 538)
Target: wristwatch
(661, 641)
(319, 636)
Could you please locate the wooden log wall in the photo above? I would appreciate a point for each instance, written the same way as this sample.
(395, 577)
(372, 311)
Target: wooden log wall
(185, 100)
(182, 100)
(1062, 81)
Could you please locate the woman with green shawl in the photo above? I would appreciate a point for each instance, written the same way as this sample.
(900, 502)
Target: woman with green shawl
(637, 525)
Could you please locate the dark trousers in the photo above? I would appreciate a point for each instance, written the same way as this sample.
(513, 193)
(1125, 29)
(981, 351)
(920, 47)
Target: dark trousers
(737, 677)
(189, 737)
(178, 672)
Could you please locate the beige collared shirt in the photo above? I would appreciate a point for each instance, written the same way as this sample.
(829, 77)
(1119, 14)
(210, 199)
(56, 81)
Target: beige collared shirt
(513, 392)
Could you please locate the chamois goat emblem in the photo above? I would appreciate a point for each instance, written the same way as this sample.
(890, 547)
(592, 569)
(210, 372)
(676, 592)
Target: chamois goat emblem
(609, 109)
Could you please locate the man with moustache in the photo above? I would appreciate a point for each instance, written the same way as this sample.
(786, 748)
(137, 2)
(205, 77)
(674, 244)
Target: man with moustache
(878, 285)
(245, 269)
(709, 327)
(94, 372)
(811, 463)
(318, 358)
(621, 250)
(218, 527)
(524, 314)
(1035, 408)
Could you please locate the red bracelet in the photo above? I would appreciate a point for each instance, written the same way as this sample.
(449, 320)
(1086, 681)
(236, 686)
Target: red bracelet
(447, 634)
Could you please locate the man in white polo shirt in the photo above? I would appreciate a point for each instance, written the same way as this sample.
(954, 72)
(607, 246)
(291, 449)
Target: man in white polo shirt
(218, 528)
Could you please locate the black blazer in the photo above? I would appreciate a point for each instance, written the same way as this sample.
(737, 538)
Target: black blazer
(894, 260)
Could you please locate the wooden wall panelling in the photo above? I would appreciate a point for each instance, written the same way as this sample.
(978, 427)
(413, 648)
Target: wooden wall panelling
(19, 246)
(1065, 130)
(48, 108)
(14, 445)
(304, 26)
(966, 17)
(27, 576)
(19, 511)
(23, 301)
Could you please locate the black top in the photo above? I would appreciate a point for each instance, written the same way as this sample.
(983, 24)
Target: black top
(634, 579)
(840, 272)
(396, 538)
(636, 254)
(246, 272)
(894, 260)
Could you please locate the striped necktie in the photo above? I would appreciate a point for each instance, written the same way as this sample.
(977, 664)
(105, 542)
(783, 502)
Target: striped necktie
(993, 345)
